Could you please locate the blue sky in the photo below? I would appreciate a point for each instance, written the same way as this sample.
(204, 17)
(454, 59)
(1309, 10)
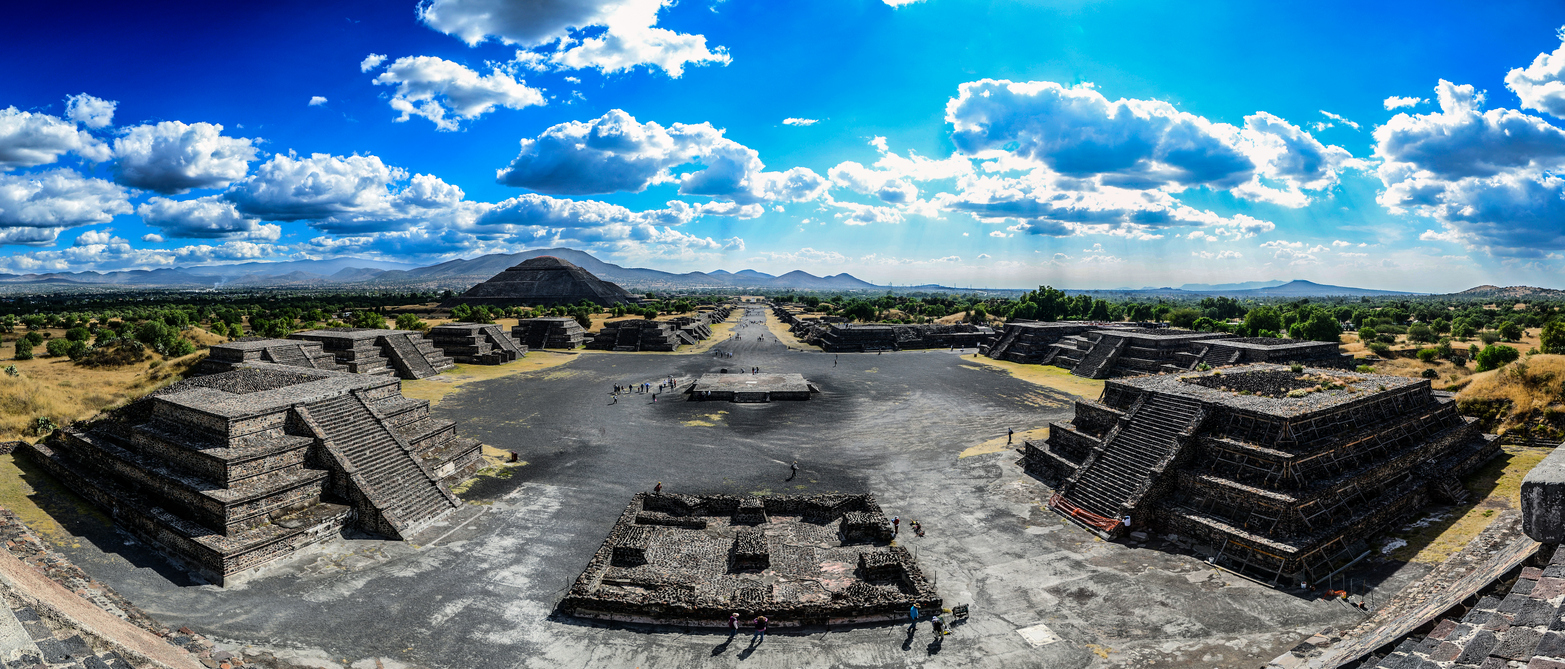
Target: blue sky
(1414, 146)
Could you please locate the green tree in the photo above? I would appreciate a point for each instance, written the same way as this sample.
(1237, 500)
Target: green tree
(1421, 333)
(411, 322)
(1320, 327)
(24, 349)
(1511, 332)
(1495, 356)
(369, 319)
(1262, 318)
(58, 347)
(1183, 317)
(461, 313)
(1552, 339)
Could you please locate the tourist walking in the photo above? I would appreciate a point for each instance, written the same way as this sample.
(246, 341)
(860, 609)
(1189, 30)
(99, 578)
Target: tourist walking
(912, 617)
(939, 624)
(760, 629)
(896, 524)
(658, 487)
(1008, 433)
(733, 625)
(794, 470)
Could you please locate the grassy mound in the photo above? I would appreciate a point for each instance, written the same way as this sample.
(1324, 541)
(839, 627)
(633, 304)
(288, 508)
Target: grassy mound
(1528, 394)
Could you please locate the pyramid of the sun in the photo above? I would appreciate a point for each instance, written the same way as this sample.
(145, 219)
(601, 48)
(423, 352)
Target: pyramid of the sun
(542, 281)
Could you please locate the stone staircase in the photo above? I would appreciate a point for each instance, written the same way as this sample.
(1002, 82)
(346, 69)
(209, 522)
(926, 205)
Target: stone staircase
(384, 470)
(1219, 356)
(289, 355)
(415, 358)
(1101, 358)
(1117, 476)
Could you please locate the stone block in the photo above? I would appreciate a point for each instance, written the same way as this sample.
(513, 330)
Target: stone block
(1543, 500)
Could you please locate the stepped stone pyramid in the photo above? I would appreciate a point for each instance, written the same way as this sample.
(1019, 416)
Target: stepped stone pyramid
(476, 343)
(1102, 350)
(549, 332)
(542, 281)
(230, 471)
(1277, 474)
(644, 335)
(403, 353)
(234, 354)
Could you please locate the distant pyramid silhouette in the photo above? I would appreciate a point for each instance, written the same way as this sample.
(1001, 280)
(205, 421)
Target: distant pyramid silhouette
(542, 281)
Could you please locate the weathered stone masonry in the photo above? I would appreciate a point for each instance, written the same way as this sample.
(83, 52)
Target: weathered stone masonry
(799, 560)
(230, 471)
(1279, 474)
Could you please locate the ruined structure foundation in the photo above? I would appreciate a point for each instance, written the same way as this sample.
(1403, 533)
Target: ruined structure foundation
(798, 560)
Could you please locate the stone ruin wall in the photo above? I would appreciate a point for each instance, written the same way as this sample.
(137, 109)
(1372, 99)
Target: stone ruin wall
(673, 602)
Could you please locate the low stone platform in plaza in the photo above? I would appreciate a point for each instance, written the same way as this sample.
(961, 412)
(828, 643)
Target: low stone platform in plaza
(742, 387)
(796, 559)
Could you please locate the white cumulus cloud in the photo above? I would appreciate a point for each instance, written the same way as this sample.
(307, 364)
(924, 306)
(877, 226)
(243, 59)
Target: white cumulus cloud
(437, 89)
(615, 153)
(29, 139)
(174, 157)
(90, 111)
(34, 208)
(1395, 102)
(800, 121)
(317, 100)
(609, 35)
(208, 217)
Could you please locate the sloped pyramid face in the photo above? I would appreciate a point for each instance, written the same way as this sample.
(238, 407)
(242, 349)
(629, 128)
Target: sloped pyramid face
(542, 281)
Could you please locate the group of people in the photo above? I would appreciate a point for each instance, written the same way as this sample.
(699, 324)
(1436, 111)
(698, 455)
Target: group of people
(759, 623)
(720, 353)
(936, 621)
(896, 526)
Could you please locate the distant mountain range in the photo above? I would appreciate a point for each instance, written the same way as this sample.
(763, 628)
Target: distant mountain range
(462, 273)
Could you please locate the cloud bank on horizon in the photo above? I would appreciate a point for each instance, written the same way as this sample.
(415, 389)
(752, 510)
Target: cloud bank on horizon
(648, 132)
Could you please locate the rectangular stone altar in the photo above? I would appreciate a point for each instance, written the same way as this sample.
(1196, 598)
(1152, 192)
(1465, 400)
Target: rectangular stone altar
(743, 387)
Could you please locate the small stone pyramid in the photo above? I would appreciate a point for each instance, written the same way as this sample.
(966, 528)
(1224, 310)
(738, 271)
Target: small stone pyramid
(542, 281)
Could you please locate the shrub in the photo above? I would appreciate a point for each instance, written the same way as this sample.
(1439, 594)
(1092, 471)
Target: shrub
(1421, 333)
(1183, 317)
(1380, 348)
(34, 338)
(1494, 357)
(1430, 374)
(1428, 354)
(1488, 337)
(117, 353)
(58, 347)
(1552, 339)
(1511, 332)
(1296, 368)
(42, 426)
(24, 349)
(411, 322)
(77, 334)
(1368, 334)
(1366, 369)
(180, 347)
(369, 319)
(76, 349)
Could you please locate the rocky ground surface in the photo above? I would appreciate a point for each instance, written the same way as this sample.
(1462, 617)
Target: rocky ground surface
(480, 590)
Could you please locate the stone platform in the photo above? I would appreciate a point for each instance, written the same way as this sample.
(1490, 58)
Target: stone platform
(798, 560)
(750, 387)
(230, 471)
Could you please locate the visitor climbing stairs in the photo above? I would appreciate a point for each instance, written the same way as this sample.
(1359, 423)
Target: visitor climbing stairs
(406, 495)
(1120, 473)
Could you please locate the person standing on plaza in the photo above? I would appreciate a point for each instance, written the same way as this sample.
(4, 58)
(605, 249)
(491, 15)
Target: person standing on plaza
(760, 629)
(733, 625)
(912, 617)
(896, 525)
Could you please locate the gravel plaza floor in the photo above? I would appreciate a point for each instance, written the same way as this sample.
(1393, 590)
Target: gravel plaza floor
(479, 591)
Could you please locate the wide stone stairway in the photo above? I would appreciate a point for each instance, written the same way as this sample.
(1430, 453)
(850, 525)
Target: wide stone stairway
(1122, 471)
(406, 496)
(415, 359)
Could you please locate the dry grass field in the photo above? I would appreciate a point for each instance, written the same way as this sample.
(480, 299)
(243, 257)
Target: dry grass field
(58, 389)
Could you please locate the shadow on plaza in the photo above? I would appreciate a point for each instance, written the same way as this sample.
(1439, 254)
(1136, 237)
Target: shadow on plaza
(743, 640)
(82, 520)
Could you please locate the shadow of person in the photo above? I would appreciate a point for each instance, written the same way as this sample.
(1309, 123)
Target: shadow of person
(907, 644)
(721, 648)
(934, 646)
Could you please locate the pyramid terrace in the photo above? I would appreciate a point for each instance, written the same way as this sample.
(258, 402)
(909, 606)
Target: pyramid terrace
(1280, 474)
(230, 471)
